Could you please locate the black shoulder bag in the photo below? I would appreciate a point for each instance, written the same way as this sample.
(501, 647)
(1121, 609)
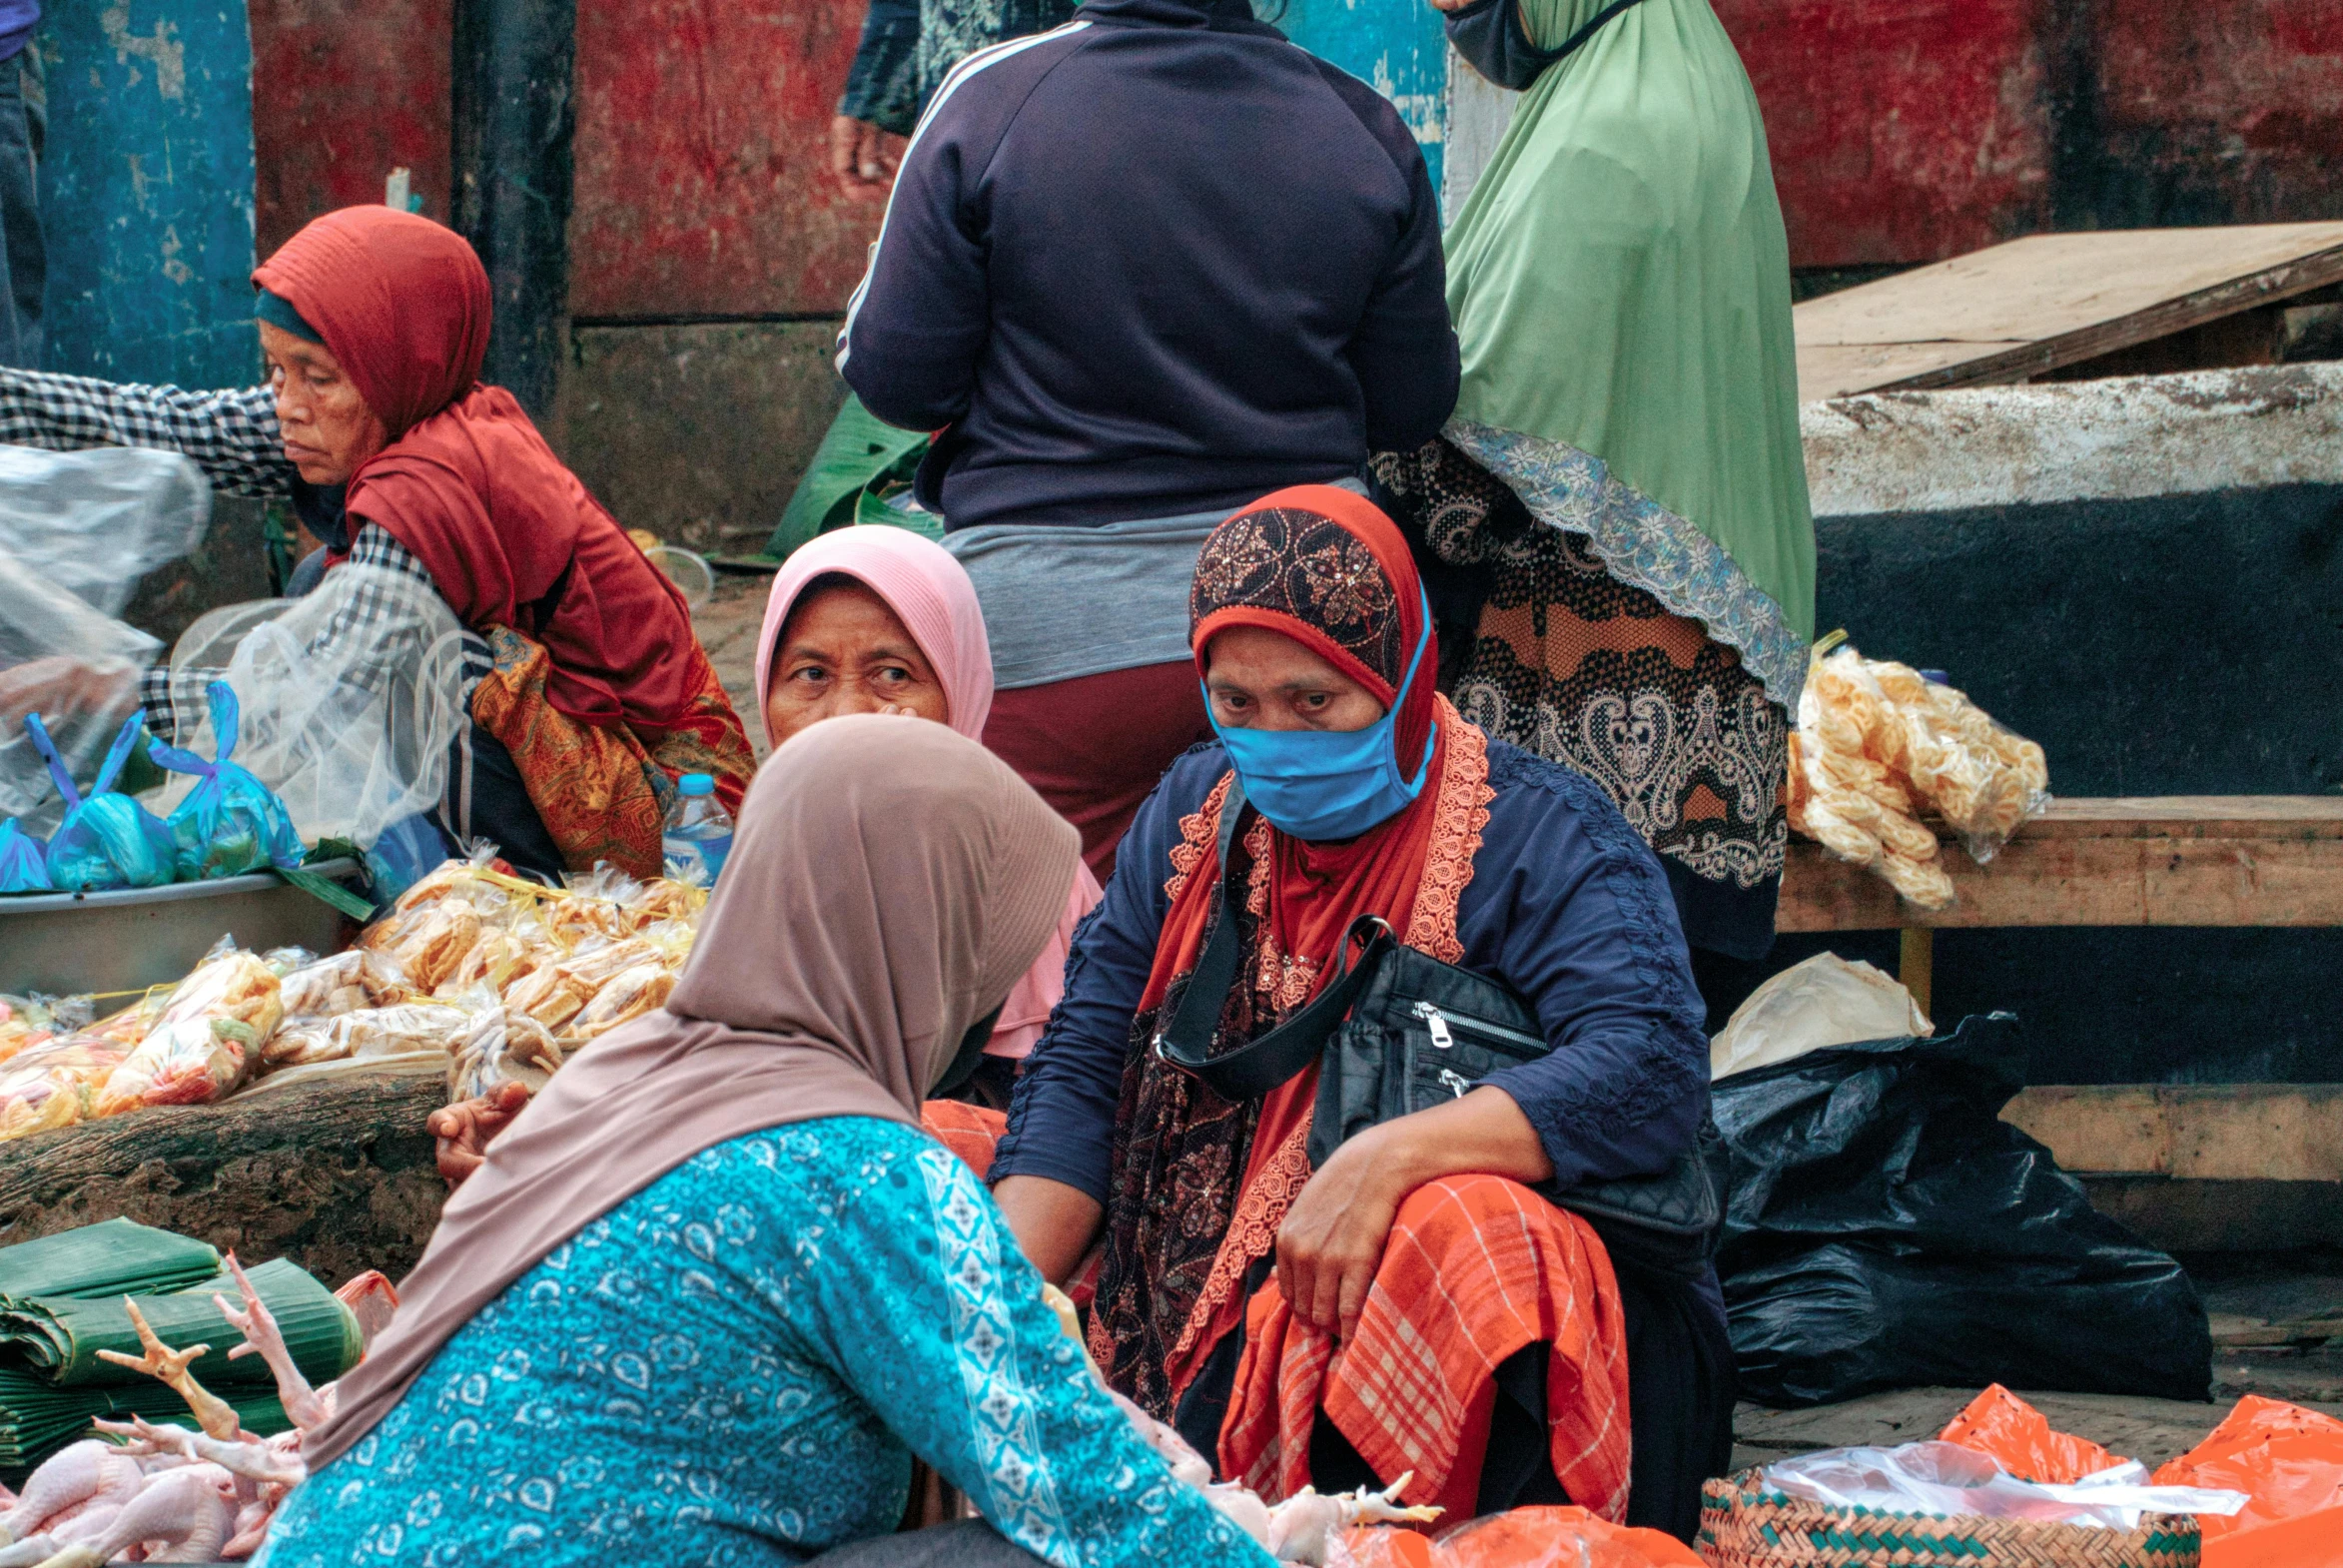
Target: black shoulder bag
(1399, 1031)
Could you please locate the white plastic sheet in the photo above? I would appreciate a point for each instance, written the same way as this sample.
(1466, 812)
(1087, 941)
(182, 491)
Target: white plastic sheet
(1824, 1001)
(42, 622)
(94, 522)
(1947, 1479)
(350, 721)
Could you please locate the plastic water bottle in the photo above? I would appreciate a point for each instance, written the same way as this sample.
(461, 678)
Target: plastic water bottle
(700, 830)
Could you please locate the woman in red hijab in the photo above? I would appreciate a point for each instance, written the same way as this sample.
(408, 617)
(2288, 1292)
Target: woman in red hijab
(1411, 1305)
(593, 693)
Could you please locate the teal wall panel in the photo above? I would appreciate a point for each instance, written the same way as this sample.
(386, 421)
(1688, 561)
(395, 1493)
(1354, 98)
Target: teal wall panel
(147, 192)
(1398, 46)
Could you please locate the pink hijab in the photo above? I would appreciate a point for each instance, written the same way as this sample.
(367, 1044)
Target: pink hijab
(930, 593)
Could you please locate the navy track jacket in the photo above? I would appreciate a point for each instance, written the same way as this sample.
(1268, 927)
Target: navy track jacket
(1157, 261)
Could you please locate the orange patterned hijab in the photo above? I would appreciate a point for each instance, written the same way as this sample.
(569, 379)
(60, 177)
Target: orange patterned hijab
(1200, 1185)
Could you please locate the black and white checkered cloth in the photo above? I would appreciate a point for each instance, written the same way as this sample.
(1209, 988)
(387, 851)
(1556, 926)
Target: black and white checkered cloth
(373, 616)
(231, 435)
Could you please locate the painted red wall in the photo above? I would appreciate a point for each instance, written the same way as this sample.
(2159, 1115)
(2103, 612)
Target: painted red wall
(1901, 130)
(704, 185)
(1910, 130)
(344, 91)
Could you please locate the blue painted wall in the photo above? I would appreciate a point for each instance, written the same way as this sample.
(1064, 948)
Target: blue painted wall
(147, 192)
(1400, 46)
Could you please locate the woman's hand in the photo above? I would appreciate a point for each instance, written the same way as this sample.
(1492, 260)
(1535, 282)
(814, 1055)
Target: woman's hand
(862, 156)
(465, 1129)
(1333, 1239)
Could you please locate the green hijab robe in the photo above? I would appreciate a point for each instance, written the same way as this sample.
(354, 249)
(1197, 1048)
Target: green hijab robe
(1620, 283)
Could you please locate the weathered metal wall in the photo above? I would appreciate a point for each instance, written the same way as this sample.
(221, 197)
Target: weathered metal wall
(702, 160)
(344, 91)
(147, 192)
(1912, 130)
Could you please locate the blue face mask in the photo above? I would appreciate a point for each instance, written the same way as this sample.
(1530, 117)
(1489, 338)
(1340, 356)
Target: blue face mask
(1318, 785)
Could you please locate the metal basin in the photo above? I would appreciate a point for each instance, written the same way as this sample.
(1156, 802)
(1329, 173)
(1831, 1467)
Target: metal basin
(68, 942)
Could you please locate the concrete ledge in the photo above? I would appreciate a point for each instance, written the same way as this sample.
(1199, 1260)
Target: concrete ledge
(2124, 437)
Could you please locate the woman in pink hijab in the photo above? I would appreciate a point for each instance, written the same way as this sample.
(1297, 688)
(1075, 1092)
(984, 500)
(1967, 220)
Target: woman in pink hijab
(875, 619)
(865, 619)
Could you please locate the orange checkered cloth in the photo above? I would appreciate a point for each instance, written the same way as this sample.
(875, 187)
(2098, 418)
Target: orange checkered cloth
(1477, 1268)
(968, 1130)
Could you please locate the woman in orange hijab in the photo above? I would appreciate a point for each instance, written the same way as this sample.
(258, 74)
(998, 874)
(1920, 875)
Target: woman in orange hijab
(588, 691)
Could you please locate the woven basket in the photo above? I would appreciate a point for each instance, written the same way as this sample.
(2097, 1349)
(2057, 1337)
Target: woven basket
(1745, 1524)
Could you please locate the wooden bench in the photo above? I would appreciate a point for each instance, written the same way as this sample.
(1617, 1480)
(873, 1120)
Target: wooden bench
(2187, 860)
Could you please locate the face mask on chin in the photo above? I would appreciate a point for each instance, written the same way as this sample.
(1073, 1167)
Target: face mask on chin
(1325, 785)
(1489, 35)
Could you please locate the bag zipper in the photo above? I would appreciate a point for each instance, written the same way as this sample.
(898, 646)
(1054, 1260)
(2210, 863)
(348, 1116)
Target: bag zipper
(1444, 1039)
(1454, 1081)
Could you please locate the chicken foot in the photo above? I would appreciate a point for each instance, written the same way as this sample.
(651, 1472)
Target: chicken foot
(307, 1408)
(214, 1415)
(1303, 1526)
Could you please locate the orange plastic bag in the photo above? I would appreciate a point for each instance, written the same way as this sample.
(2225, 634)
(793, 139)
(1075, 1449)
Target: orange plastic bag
(1520, 1538)
(2290, 1462)
(2017, 1437)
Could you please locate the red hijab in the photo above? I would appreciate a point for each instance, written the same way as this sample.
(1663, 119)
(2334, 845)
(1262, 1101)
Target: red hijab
(508, 535)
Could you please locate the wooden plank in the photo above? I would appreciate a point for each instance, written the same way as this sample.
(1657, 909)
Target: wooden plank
(2018, 310)
(2191, 816)
(2189, 1132)
(2052, 881)
(1832, 370)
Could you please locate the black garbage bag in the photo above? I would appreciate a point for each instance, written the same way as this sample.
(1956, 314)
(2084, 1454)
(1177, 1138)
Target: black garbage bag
(1885, 1229)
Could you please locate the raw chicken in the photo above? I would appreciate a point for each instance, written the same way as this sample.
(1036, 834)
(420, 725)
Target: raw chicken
(168, 1494)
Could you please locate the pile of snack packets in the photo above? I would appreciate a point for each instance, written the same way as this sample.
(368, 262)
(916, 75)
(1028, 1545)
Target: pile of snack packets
(476, 974)
(1876, 742)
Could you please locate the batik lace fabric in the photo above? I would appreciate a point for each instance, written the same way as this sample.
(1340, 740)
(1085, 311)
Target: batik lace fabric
(1581, 668)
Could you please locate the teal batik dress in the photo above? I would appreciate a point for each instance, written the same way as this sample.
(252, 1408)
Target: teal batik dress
(736, 1365)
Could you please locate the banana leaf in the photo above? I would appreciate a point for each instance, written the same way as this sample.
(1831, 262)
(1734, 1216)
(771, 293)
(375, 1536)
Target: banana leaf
(858, 452)
(57, 1337)
(37, 1418)
(118, 1256)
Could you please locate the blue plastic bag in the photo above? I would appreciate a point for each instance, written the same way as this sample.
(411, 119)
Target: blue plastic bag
(106, 841)
(231, 823)
(24, 861)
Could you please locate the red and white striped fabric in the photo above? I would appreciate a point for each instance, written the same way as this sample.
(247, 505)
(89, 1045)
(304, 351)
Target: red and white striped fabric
(1476, 1267)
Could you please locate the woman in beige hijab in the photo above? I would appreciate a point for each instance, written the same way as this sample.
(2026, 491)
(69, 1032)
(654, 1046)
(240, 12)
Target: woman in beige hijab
(715, 1288)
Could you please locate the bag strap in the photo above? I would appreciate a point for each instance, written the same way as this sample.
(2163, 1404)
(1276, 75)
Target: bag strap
(1253, 1069)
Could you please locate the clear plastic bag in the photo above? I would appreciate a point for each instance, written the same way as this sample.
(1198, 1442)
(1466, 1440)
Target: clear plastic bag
(206, 1038)
(624, 997)
(27, 1022)
(229, 824)
(1947, 1479)
(351, 734)
(106, 840)
(403, 1029)
(50, 1085)
(77, 531)
(346, 982)
(95, 522)
(24, 861)
(501, 1046)
(1875, 742)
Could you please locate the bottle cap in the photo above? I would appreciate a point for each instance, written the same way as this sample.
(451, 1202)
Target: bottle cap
(696, 784)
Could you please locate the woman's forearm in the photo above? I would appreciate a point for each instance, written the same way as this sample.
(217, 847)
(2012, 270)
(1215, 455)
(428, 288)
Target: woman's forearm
(1483, 1132)
(1054, 1223)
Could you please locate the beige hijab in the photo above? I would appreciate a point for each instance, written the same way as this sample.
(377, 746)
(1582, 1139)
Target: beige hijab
(888, 882)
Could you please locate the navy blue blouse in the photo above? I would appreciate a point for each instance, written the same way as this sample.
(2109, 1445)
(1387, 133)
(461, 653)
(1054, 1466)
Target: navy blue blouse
(1567, 905)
